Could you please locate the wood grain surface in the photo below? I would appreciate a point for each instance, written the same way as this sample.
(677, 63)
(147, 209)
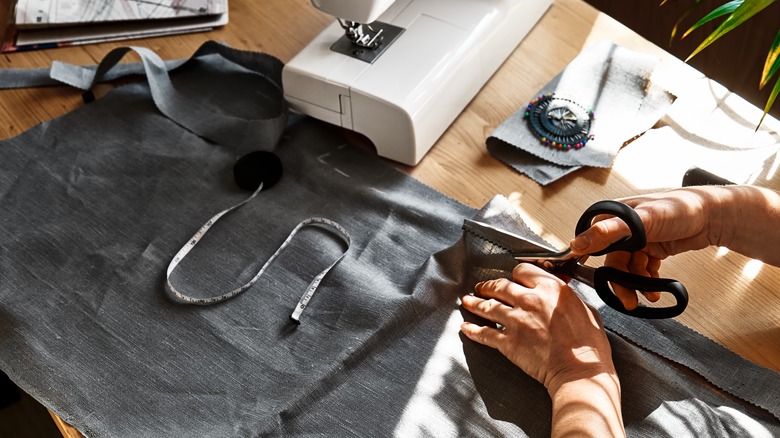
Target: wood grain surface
(734, 300)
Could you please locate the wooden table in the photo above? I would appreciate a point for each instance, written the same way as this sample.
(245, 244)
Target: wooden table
(734, 300)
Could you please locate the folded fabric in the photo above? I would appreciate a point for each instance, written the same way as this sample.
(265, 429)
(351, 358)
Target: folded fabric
(611, 82)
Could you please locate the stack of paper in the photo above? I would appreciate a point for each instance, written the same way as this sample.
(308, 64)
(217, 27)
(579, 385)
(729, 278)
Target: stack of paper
(53, 23)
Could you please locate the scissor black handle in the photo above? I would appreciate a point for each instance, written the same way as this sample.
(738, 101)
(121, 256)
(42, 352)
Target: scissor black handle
(605, 274)
(636, 241)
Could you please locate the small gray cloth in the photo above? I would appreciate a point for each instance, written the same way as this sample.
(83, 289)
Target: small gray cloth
(94, 205)
(612, 81)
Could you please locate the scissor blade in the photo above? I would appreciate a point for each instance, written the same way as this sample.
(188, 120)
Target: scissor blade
(518, 246)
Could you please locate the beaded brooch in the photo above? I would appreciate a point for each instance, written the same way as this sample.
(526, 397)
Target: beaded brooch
(558, 122)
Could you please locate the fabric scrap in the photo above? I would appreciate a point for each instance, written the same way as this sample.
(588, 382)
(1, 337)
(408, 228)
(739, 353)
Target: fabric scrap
(612, 81)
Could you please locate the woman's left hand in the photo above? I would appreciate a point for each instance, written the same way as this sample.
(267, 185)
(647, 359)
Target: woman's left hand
(547, 330)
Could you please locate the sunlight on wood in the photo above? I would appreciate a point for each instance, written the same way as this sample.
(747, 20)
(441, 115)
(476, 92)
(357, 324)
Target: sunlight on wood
(709, 127)
(660, 158)
(515, 199)
(773, 168)
(752, 268)
(722, 251)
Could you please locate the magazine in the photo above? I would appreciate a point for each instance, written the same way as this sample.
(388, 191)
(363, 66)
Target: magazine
(37, 24)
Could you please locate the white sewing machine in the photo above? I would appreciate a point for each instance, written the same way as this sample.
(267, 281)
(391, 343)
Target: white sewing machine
(404, 77)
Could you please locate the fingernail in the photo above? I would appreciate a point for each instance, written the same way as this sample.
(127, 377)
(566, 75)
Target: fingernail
(580, 243)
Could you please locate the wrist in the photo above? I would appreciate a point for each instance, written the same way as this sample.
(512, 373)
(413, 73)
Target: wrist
(716, 201)
(587, 406)
(747, 215)
(602, 373)
(727, 210)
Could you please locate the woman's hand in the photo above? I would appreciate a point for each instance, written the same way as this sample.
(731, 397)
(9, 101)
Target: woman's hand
(547, 330)
(554, 337)
(741, 218)
(675, 222)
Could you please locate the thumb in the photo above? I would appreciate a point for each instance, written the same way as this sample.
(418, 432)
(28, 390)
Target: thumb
(599, 236)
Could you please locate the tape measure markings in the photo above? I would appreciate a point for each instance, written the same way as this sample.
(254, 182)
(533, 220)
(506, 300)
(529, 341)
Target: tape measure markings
(328, 224)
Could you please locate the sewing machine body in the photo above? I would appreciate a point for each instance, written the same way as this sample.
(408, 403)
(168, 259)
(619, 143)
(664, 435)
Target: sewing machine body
(405, 97)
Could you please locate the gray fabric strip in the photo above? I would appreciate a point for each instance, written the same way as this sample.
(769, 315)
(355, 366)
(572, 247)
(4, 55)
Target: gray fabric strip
(243, 133)
(719, 366)
(41, 77)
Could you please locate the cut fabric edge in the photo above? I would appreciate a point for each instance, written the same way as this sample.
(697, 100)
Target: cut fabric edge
(640, 342)
(499, 149)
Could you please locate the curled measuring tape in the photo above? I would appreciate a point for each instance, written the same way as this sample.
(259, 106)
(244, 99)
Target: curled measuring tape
(327, 224)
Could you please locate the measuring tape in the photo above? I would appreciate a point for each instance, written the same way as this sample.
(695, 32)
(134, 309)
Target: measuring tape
(328, 224)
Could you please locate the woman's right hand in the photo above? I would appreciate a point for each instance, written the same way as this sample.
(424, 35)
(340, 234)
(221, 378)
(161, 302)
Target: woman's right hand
(675, 221)
(741, 218)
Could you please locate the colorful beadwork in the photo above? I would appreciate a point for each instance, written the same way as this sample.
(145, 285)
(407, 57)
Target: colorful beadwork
(559, 123)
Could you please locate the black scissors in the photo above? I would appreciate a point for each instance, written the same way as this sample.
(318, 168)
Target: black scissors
(523, 249)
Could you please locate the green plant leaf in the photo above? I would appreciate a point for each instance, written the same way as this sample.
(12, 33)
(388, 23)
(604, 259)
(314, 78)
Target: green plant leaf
(770, 101)
(722, 10)
(684, 15)
(745, 11)
(772, 63)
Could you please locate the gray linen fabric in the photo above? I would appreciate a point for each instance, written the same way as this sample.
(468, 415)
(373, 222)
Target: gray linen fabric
(612, 81)
(94, 205)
